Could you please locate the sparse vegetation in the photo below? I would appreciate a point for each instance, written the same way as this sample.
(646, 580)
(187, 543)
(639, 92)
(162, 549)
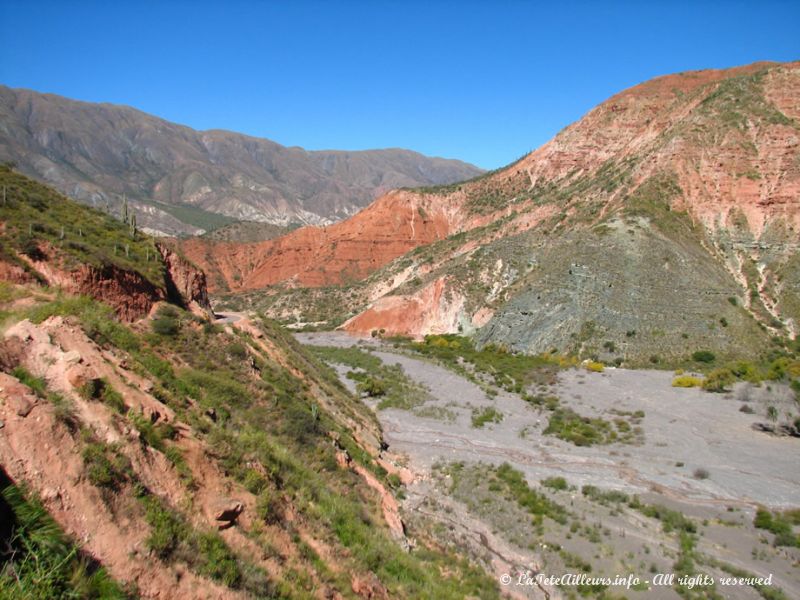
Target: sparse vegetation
(780, 525)
(511, 371)
(568, 425)
(387, 383)
(489, 414)
(37, 218)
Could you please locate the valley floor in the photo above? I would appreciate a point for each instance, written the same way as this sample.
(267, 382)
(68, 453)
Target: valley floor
(692, 462)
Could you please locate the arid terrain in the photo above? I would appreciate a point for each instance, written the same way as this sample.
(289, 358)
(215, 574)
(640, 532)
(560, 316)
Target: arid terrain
(696, 454)
(585, 362)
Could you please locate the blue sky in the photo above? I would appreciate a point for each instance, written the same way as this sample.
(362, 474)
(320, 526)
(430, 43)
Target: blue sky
(481, 81)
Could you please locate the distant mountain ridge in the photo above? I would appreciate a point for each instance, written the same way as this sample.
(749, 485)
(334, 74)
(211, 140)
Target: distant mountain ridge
(180, 179)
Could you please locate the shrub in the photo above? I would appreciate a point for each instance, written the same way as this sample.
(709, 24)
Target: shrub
(571, 427)
(372, 387)
(166, 529)
(778, 524)
(700, 473)
(555, 483)
(703, 356)
(719, 380)
(671, 520)
(37, 384)
(687, 381)
(604, 497)
(594, 366)
(166, 326)
(535, 503)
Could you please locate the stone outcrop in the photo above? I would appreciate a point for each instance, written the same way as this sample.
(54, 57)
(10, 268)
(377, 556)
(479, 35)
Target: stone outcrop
(185, 283)
(729, 137)
(319, 256)
(130, 294)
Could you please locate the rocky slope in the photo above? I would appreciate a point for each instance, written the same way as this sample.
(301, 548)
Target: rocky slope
(187, 458)
(179, 179)
(666, 219)
(49, 239)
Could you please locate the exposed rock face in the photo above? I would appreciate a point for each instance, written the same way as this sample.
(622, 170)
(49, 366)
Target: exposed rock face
(317, 256)
(186, 284)
(129, 293)
(665, 210)
(428, 311)
(669, 124)
(97, 152)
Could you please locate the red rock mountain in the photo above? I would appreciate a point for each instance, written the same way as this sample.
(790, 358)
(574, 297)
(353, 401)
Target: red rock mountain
(668, 123)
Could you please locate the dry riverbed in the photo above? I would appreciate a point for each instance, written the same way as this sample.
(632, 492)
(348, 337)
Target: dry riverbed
(613, 508)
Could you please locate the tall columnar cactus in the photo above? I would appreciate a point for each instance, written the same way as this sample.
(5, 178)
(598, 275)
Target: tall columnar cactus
(124, 208)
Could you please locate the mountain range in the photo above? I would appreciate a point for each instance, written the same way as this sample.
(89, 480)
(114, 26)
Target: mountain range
(180, 180)
(664, 220)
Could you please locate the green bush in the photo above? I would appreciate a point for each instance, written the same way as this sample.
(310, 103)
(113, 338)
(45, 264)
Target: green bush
(371, 387)
(555, 483)
(100, 389)
(37, 384)
(604, 497)
(778, 524)
(671, 520)
(703, 356)
(535, 503)
(569, 426)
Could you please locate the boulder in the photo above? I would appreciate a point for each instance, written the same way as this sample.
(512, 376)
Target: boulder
(227, 510)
